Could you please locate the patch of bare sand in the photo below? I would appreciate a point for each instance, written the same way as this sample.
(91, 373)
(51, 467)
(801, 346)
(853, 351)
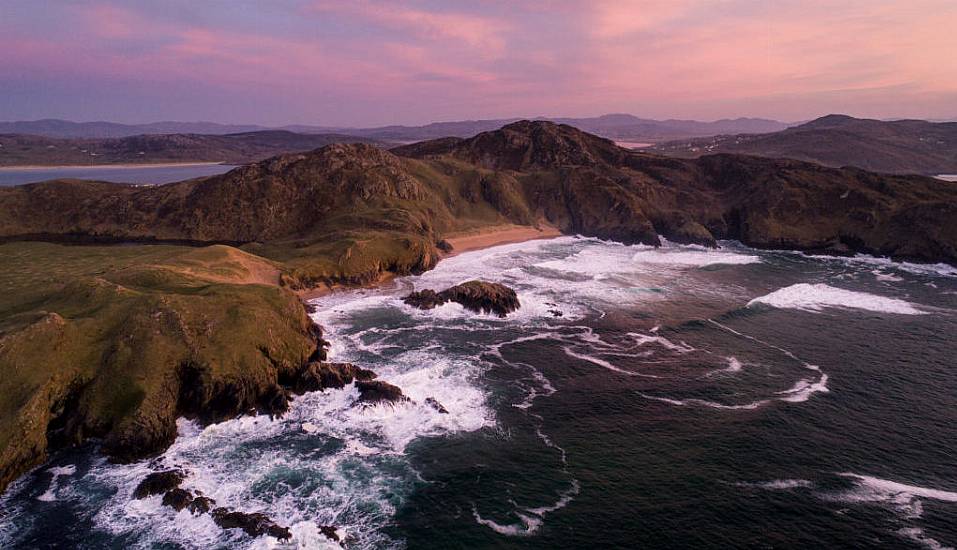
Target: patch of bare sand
(497, 235)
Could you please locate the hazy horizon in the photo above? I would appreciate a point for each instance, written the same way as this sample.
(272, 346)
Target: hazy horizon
(375, 63)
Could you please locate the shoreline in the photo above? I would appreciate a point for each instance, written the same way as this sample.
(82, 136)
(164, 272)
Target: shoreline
(108, 166)
(462, 241)
(468, 241)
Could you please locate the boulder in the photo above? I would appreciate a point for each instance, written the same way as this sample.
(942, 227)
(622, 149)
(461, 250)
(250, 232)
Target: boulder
(255, 524)
(201, 505)
(377, 391)
(158, 483)
(329, 531)
(320, 375)
(477, 296)
(432, 402)
(177, 499)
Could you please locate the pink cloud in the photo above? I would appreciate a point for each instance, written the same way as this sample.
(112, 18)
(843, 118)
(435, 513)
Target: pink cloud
(705, 58)
(481, 33)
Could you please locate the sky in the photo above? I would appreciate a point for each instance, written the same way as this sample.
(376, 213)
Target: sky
(378, 62)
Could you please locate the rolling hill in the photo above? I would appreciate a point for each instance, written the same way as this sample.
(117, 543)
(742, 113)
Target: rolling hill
(19, 150)
(896, 147)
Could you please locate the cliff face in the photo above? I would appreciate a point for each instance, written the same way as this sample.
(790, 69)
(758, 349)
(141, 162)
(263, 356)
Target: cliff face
(585, 184)
(116, 342)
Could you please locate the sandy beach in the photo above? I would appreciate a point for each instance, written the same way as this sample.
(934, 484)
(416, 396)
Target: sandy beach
(496, 235)
(465, 241)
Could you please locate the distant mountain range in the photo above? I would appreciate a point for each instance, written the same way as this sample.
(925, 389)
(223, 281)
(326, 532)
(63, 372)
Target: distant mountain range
(241, 148)
(616, 126)
(899, 147)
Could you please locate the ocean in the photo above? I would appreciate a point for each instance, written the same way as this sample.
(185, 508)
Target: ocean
(115, 174)
(677, 397)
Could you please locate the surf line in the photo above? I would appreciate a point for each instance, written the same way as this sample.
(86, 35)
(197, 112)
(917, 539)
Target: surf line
(800, 392)
(772, 346)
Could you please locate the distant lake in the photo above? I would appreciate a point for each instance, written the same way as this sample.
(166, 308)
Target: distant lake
(947, 177)
(116, 174)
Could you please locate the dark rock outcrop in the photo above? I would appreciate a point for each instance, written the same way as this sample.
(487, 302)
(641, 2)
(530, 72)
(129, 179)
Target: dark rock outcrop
(329, 531)
(477, 296)
(158, 483)
(254, 524)
(376, 391)
(433, 402)
(177, 499)
(201, 505)
(319, 376)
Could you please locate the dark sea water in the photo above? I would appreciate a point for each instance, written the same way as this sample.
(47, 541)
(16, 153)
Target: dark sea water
(139, 175)
(685, 398)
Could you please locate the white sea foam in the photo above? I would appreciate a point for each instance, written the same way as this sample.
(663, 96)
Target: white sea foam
(689, 257)
(816, 297)
(886, 277)
(779, 484)
(902, 496)
(886, 264)
(602, 363)
(803, 389)
(906, 500)
(56, 472)
(705, 403)
(734, 365)
(918, 535)
(531, 518)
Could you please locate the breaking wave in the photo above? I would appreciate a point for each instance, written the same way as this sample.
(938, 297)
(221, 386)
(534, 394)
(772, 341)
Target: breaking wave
(816, 297)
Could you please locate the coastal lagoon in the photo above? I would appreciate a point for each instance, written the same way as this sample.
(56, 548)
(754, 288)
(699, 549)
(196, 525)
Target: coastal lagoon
(150, 174)
(660, 398)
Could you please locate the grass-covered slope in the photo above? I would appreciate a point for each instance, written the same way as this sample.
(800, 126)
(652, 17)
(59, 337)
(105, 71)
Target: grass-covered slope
(116, 342)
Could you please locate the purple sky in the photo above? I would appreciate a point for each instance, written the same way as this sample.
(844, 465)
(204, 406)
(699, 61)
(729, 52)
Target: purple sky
(365, 63)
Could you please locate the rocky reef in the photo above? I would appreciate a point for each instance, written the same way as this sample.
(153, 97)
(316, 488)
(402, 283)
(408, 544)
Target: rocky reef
(477, 296)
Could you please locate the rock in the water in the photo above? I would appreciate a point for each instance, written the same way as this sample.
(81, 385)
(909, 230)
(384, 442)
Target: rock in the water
(555, 312)
(255, 524)
(329, 531)
(319, 376)
(177, 499)
(201, 505)
(477, 296)
(158, 483)
(432, 402)
(377, 391)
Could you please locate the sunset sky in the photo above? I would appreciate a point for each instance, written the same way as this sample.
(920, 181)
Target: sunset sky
(383, 62)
